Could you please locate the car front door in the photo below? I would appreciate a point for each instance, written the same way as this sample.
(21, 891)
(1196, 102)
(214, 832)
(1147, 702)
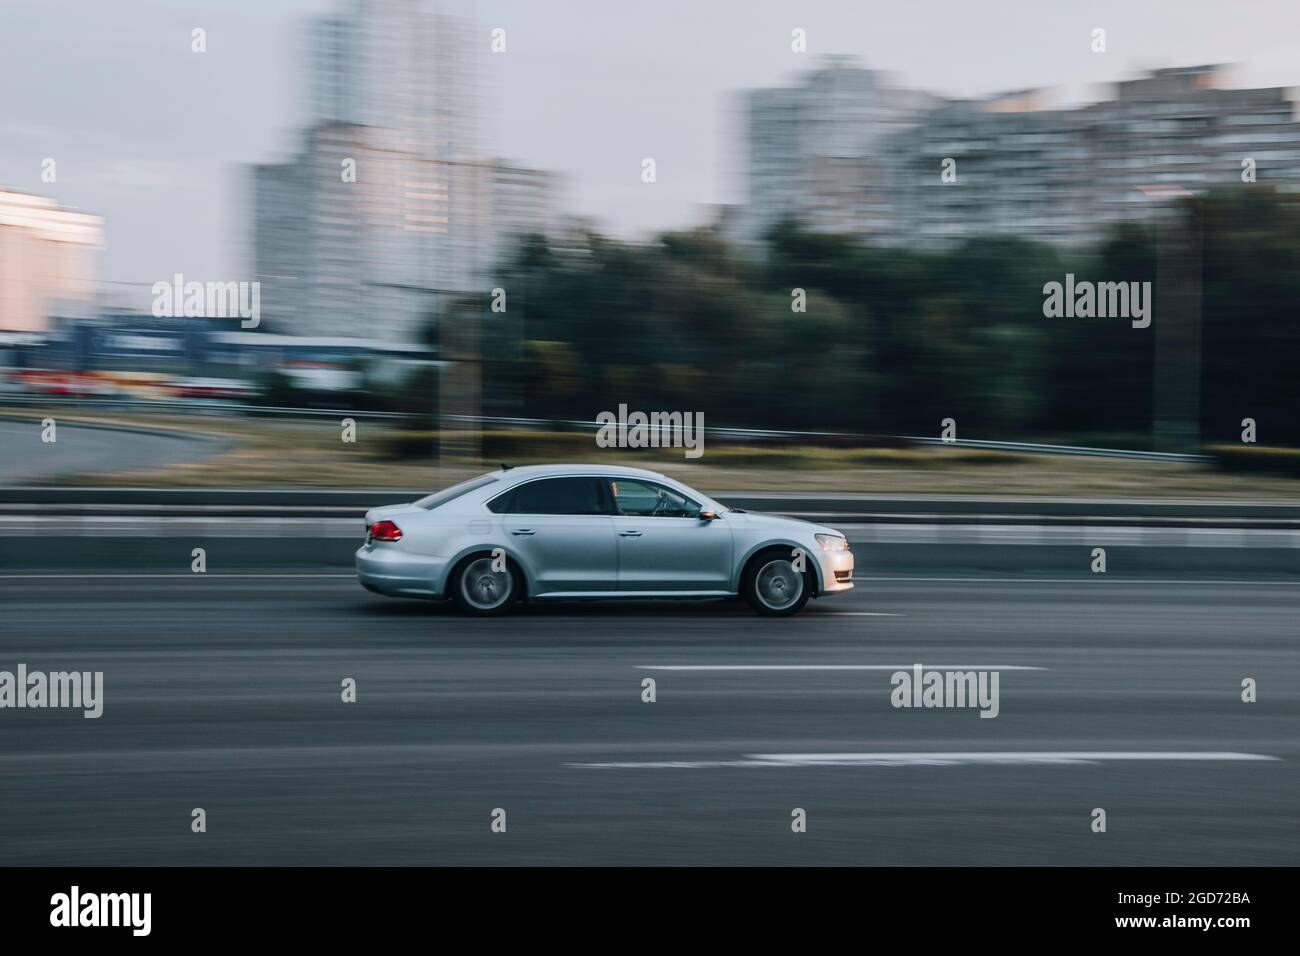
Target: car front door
(663, 544)
(562, 531)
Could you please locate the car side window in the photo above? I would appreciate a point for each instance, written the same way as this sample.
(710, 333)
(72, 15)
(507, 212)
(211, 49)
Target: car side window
(552, 496)
(646, 499)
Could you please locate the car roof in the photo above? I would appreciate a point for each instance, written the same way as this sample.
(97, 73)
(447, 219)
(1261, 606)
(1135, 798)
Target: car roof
(535, 471)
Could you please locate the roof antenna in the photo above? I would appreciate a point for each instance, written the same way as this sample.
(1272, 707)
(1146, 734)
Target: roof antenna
(505, 467)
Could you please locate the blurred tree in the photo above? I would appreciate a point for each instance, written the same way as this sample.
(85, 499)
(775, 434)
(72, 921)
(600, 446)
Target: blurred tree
(893, 340)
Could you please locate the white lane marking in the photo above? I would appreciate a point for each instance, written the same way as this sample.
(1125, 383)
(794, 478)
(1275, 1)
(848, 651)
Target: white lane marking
(853, 614)
(1030, 579)
(938, 759)
(178, 575)
(1181, 536)
(830, 667)
(1112, 579)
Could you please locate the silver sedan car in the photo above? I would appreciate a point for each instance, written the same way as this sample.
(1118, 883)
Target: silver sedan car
(594, 532)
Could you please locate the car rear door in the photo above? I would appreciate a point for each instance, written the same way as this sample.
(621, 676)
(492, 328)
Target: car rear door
(562, 531)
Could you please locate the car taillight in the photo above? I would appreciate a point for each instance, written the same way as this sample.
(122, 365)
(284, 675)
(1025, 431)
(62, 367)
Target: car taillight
(385, 531)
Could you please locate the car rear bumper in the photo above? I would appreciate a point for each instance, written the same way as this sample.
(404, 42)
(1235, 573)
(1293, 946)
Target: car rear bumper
(394, 573)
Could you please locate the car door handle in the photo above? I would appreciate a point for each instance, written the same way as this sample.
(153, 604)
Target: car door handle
(630, 534)
(523, 531)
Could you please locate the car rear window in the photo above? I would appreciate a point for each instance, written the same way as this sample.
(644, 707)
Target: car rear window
(429, 502)
(552, 496)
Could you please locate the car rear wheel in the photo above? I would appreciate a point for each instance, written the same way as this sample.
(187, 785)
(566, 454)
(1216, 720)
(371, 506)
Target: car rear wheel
(480, 587)
(774, 587)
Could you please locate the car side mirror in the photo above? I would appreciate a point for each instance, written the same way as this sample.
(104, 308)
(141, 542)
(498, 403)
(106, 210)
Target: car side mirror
(708, 516)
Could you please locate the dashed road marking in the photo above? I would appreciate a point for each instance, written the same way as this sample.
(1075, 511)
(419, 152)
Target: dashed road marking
(937, 759)
(833, 667)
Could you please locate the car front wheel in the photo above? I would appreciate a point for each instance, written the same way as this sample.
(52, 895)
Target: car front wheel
(774, 587)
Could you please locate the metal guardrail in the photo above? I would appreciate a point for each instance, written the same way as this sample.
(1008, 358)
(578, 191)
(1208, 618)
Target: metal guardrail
(581, 425)
(1080, 450)
(155, 405)
(884, 509)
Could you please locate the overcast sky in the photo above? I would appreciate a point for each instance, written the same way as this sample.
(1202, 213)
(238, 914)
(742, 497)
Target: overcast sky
(154, 137)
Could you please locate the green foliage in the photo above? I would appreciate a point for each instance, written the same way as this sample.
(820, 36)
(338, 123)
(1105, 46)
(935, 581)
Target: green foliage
(894, 340)
(1257, 459)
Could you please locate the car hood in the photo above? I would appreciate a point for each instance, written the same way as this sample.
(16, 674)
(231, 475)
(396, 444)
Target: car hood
(794, 525)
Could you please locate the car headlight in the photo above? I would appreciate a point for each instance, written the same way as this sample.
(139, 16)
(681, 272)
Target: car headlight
(833, 542)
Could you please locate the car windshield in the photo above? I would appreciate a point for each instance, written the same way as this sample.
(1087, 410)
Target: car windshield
(429, 502)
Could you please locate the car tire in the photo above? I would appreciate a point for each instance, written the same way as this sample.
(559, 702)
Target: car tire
(773, 587)
(478, 589)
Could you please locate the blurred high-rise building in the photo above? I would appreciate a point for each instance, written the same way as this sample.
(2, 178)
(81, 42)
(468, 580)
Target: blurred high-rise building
(1066, 175)
(388, 210)
(839, 156)
(49, 261)
(1181, 130)
(1005, 165)
(818, 152)
(400, 69)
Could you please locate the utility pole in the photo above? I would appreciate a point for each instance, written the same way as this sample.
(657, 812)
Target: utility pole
(460, 384)
(1176, 321)
(458, 401)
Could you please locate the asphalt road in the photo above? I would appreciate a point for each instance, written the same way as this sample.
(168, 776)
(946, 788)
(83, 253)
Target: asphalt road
(224, 693)
(83, 448)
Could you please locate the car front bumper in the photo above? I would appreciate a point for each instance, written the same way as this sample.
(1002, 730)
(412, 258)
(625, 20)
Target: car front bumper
(836, 571)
